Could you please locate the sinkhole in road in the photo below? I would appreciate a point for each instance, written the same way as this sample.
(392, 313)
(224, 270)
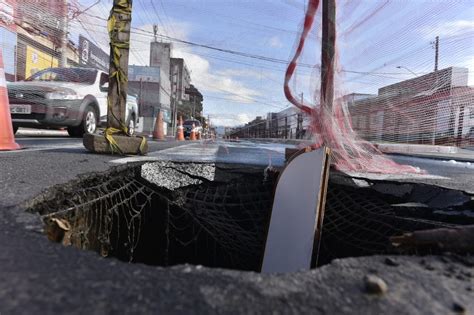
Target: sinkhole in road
(169, 213)
(165, 213)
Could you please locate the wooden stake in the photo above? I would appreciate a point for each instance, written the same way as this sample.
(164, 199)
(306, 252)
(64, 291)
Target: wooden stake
(328, 51)
(120, 22)
(115, 140)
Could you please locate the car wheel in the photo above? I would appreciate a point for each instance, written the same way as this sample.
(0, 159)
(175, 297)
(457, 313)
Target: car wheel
(131, 126)
(88, 124)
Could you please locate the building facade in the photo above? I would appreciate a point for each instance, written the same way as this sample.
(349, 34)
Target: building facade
(31, 34)
(151, 85)
(180, 79)
(431, 109)
(191, 106)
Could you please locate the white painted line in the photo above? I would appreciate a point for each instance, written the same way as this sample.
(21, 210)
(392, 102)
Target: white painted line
(134, 159)
(47, 148)
(193, 152)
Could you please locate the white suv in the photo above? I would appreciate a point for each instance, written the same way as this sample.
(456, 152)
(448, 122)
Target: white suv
(75, 98)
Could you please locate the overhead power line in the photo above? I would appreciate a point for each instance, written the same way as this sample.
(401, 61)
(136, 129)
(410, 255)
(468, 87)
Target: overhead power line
(229, 51)
(140, 31)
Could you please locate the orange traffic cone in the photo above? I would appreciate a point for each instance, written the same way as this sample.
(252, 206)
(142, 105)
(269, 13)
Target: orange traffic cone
(158, 133)
(7, 140)
(180, 131)
(192, 135)
(198, 135)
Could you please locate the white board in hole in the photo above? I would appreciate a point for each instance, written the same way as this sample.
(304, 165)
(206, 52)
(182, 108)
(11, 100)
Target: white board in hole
(299, 198)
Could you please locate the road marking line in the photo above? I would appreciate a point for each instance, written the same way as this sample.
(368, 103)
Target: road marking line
(187, 152)
(44, 148)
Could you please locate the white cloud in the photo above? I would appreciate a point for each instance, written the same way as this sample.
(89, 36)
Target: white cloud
(448, 29)
(207, 80)
(244, 72)
(229, 83)
(229, 120)
(275, 42)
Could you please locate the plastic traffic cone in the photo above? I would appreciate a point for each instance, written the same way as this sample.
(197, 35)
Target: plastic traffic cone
(7, 140)
(192, 135)
(180, 130)
(158, 133)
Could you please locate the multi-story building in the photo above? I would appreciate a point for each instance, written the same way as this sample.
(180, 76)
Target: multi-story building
(151, 85)
(31, 35)
(180, 81)
(8, 37)
(290, 123)
(256, 128)
(436, 108)
(40, 35)
(160, 56)
(192, 105)
(271, 125)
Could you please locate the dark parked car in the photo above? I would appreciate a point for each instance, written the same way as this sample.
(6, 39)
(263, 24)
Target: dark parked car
(188, 126)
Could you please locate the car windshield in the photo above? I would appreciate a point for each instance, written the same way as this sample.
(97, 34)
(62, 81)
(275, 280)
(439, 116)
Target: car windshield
(75, 75)
(190, 122)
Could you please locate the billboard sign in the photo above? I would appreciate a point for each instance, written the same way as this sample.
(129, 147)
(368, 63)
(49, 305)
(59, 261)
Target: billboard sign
(91, 55)
(143, 73)
(37, 60)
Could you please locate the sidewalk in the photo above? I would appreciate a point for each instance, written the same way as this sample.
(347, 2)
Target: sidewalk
(437, 152)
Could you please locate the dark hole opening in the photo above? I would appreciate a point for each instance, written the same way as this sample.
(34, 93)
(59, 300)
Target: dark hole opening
(218, 222)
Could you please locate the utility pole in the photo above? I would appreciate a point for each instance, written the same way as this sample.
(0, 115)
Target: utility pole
(121, 18)
(174, 114)
(64, 31)
(115, 138)
(436, 53)
(328, 53)
(299, 125)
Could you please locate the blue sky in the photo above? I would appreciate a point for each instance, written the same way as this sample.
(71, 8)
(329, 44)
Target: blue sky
(375, 37)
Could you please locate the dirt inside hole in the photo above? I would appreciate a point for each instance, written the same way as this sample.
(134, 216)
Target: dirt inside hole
(166, 213)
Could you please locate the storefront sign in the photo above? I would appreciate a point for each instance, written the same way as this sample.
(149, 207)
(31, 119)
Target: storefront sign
(92, 56)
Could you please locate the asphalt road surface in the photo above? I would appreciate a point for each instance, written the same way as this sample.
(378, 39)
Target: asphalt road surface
(38, 276)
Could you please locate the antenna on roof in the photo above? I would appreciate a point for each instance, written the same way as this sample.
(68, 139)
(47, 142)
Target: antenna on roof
(155, 32)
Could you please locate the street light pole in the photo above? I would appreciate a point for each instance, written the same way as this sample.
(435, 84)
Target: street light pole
(402, 67)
